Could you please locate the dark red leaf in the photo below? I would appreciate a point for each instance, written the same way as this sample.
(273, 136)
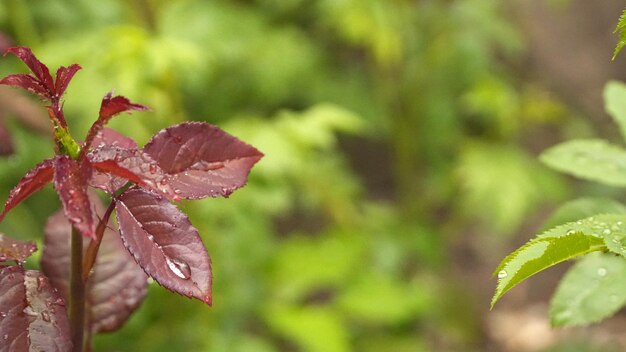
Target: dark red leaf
(33, 181)
(164, 243)
(70, 181)
(106, 181)
(113, 105)
(27, 82)
(203, 160)
(40, 70)
(110, 137)
(133, 165)
(63, 78)
(15, 250)
(117, 285)
(32, 314)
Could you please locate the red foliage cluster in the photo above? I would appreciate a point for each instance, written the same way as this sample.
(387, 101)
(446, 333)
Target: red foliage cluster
(191, 160)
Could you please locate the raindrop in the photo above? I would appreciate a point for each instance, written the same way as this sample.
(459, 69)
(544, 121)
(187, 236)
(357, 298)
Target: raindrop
(71, 192)
(151, 238)
(177, 191)
(163, 181)
(502, 274)
(3, 314)
(179, 268)
(602, 272)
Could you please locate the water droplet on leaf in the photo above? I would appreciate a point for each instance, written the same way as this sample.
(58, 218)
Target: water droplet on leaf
(502, 274)
(602, 272)
(179, 268)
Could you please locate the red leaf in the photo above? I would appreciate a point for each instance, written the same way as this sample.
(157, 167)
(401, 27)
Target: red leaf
(32, 314)
(106, 181)
(27, 82)
(70, 181)
(164, 243)
(111, 137)
(117, 285)
(113, 105)
(15, 250)
(33, 181)
(63, 78)
(204, 160)
(133, 165)
(40, 70)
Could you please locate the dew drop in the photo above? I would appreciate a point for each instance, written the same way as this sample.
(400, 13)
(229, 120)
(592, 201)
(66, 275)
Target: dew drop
(502, 274)
(177, 191)
(153, 168)
(179, 268)
(602, 272)
(151, 238)
(3, 314)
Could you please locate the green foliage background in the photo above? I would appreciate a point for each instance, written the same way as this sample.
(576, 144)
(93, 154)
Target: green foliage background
(389, 127)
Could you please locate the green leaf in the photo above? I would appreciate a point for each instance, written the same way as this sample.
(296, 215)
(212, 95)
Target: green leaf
(621, 28)
(593, 289)
(594, 160)
(582, 208)
(540, 254)
(615, 103)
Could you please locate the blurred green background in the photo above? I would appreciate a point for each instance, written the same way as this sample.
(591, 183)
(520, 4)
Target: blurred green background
(400, 140)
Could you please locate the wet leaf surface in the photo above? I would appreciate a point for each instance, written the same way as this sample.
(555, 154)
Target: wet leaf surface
(164, 243)
(70, 182)
(133, 165)
(15, 250)
(32, 314)
(204, 161)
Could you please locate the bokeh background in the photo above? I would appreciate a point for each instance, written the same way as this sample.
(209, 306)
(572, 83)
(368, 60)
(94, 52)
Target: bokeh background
(401, 141)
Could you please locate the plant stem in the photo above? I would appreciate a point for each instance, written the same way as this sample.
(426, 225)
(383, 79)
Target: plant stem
(94, 245)
(77, 292)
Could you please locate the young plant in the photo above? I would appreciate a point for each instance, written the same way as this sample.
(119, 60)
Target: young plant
(99, 278)
(590, 229)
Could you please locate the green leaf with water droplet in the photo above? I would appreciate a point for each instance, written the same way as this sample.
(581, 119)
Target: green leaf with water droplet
(615, 103)
(594, 160)
(540, 254)
(593, 289)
